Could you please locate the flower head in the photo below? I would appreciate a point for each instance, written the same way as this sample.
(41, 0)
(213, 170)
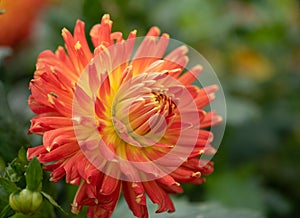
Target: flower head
(123, 119)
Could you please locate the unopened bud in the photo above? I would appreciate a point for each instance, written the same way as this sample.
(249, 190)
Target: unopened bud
(25, 201)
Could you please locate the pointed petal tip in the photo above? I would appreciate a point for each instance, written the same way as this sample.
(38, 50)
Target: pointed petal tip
(165, 35)
(184, 49)
(196, 174)
(105, 17)
(154, 31)
(133, 32)
(64, 31)
(197, 69)
(79, 22)
(219, 119)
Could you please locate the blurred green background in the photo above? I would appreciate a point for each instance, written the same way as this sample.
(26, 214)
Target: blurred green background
(254, 48)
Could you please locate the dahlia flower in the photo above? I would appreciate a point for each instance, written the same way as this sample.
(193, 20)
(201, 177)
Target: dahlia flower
(123, 119)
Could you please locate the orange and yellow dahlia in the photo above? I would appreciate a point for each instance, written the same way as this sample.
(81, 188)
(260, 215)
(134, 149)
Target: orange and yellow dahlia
(123, 119)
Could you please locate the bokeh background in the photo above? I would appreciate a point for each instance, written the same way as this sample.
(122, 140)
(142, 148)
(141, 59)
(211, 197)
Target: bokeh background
(254, 48)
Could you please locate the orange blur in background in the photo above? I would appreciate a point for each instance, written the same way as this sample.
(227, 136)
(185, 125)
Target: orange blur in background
(17, 19)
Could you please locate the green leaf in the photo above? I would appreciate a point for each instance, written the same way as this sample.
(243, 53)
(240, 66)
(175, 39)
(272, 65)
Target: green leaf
(8, 185)
(2, 166)
(20, 215)
(6, 212)
(34, 175)
(14, 171)
(4, 195)
(46, 211)
(11, 173)
(22, 157)
(53, 202)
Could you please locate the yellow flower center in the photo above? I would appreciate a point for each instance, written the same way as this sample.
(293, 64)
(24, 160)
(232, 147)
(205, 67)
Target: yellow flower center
(143, 120)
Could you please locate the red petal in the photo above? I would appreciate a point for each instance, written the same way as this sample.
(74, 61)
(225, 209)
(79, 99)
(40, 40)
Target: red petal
(60, 152)
(100, 33)
(189, 77)
(211, 119)
(133, 199)
(169, 184)
(186, 175)
(109, 185)
(159, 196)
(59, 137)
(35, 152)
(40, 124)
(105, 204)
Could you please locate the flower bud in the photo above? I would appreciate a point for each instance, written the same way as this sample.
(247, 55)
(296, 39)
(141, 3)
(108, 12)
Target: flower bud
(25, 201)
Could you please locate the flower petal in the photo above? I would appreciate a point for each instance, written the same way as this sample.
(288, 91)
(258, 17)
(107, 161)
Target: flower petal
(134, 195)
(159, 196)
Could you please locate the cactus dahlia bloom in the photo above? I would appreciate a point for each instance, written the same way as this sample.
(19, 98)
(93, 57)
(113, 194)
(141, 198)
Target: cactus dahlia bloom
(121, 119)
